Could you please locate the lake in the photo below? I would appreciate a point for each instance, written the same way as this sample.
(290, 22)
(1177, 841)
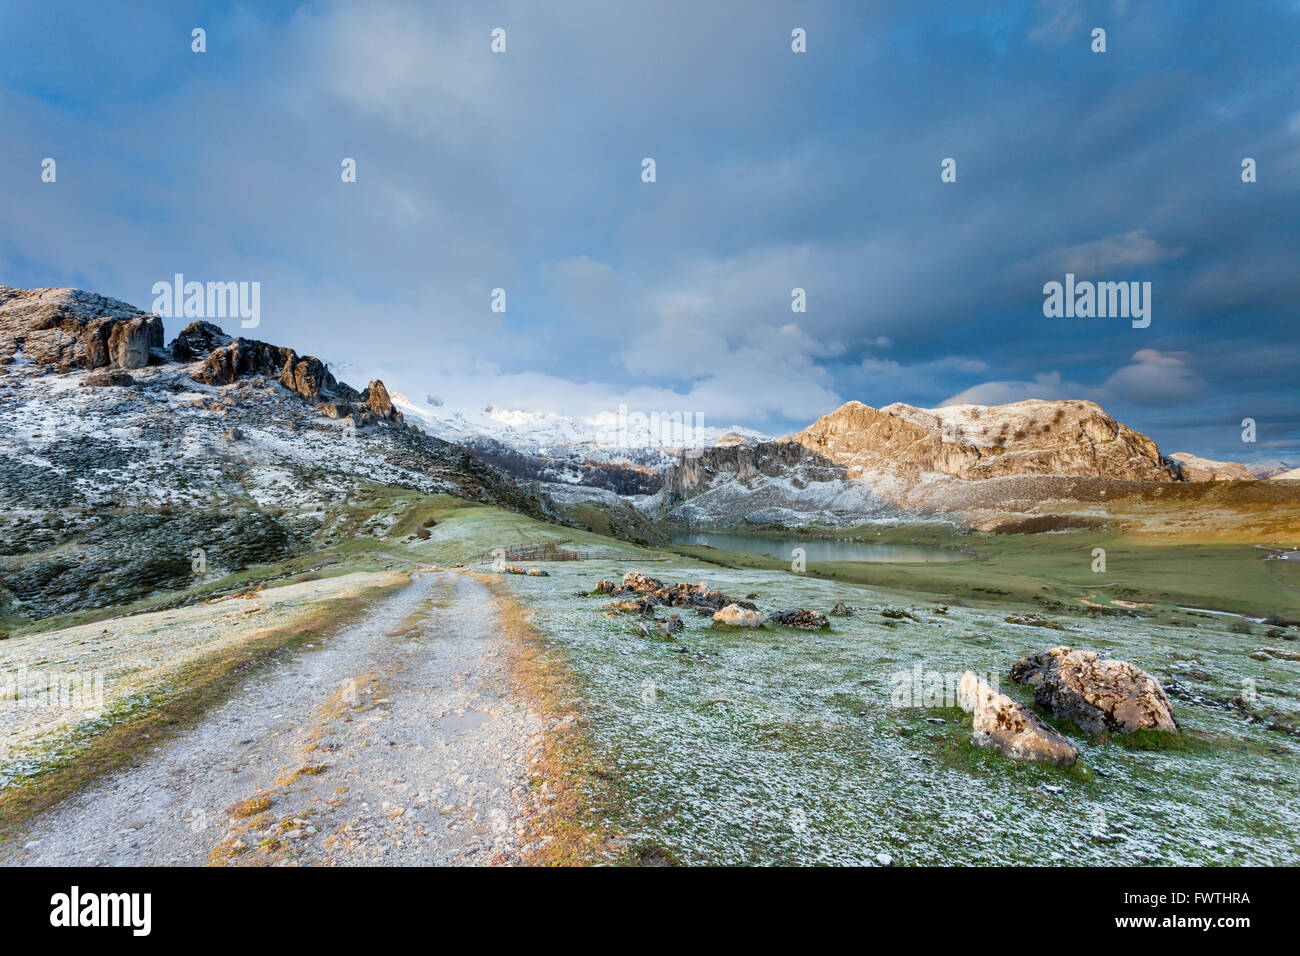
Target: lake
(817, 549)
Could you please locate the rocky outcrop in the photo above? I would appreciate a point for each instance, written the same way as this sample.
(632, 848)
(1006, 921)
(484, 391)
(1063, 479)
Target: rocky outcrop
(71, 329)
(768, 458)
(733, 615)
(197, 341)
(642, 586)
(1003, 724)
(1195, 468)
(803, 619)
(376, 398)
(241, 358)
(1098, 694)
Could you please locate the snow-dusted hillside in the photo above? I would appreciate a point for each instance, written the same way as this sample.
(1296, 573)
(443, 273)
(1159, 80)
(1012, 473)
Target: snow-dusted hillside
(108, 492)
(625, 455)
(128, 467)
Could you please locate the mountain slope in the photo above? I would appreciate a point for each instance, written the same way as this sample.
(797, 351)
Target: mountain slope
(124, 473)
(975, 442)
(609, 453)
(860, 463)
(1196, 468)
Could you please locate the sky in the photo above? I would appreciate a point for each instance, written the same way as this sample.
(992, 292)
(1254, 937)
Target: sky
(774, 170)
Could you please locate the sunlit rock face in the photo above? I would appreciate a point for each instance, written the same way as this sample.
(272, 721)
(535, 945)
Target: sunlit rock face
(974, 442)
(1004, 725)
(73, 329)
(859, 462)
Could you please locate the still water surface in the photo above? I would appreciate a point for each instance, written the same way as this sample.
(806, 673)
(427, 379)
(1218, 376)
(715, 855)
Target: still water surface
(817, 550)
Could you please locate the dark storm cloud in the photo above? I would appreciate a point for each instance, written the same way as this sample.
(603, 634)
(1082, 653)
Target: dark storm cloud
(775, 170)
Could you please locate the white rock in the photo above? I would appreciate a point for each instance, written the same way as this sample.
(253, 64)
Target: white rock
(736, 616)
(1002, 723)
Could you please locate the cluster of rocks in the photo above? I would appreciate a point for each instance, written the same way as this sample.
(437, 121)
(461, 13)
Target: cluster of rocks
(641, 594)
(648, 592)
(242, 358)
(224, 360)
(531, 572)
(72, 329)
(1096, 694)
(371, 405)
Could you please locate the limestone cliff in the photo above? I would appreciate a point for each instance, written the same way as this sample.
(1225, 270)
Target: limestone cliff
(897, 452)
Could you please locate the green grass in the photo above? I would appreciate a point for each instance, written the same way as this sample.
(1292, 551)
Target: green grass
(1042, 568)
(780, 746)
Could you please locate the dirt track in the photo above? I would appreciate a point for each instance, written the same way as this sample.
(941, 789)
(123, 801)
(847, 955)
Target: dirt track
(397, 742)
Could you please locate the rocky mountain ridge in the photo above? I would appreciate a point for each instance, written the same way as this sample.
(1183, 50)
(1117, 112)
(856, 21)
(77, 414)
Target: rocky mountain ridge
(560, 450)
(861, 463)
(975, 442)
(119, 462)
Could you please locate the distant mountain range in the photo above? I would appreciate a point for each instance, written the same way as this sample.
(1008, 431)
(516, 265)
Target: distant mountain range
(104, 425)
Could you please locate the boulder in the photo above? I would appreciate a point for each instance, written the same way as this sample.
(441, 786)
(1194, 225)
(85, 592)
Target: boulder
(641, 582)
(1003, 724)
(107, 379)
(1096, 693)
(841, 610)
(733, 615)
(802, 619)
(335, 409)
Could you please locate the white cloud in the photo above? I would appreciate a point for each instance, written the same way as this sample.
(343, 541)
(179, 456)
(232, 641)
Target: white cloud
(1048, 386)
(1156, 378)
(1153, 379)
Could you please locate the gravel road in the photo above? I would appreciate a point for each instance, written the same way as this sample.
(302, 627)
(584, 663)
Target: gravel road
(396, 742)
